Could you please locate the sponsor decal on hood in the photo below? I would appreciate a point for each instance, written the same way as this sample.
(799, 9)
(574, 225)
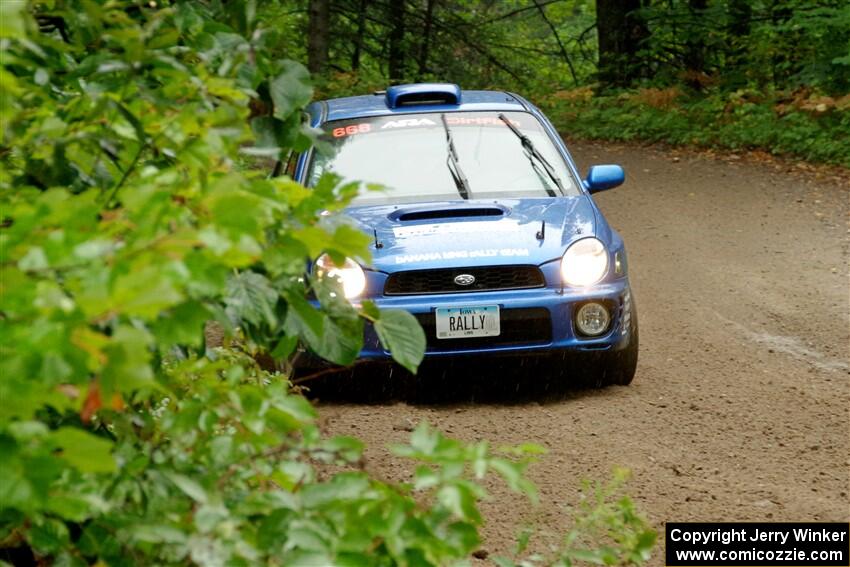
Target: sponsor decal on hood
(454, 254)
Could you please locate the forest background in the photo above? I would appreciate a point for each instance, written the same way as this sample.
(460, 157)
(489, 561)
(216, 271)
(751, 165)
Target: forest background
(772, 75)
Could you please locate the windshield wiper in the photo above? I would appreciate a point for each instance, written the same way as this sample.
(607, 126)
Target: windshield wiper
(453, 164)
(534, 153)
(540, 176)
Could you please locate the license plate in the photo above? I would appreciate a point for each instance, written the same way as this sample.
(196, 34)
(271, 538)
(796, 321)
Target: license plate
(466, 322)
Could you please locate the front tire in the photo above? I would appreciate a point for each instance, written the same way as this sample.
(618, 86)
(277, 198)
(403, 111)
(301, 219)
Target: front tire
(618, 367)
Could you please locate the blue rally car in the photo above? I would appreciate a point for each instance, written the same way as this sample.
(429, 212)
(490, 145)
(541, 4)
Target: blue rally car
(486, 232)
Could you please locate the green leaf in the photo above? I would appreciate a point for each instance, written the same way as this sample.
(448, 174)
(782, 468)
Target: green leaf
(401, 334)
(221, 449)
(183, 325)
(425, 478)
(67, 559)
(310, 540)
(463, 537)
(191, 488)
(48, 536)
(643, 546)
(71, 506)
(272, 530)
(370, 310)
(24, 430)
(270, 134)
(98, 541)
(296, 407)
(523, 539)
(302, 319)
(290, 89)
(208, 517)
(12, 14)
(595, 556)
(16, 490)
(514, 476)
(341, 341)
(144, 292)
(337, 340)
(460, 501)
(240, 213)
(348, 448)
(83, 450)
(350, 242)
(341, 488)
(251, 299)
(128, 364)
(157, 533)
(424, 439)
(34, 259)
(284, 347)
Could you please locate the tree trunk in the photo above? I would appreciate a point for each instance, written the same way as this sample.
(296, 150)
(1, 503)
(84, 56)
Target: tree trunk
(695, 45)
(396, 51)
(783, 60)
(318, 32)
(425, 46)
(740, 14)
(740, 19)
(621, 30)
(361, 32)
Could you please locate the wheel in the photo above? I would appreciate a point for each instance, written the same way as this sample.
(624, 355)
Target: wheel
(619, 367)
(553, 375)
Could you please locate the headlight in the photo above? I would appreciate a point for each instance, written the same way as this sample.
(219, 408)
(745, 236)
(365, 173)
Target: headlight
(584, 263)
(350, 274)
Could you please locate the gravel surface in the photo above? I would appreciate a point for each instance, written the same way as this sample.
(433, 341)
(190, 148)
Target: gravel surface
(740, 409)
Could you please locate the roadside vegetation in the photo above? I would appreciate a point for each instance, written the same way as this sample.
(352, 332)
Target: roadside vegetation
(799, 124)
(127, 222)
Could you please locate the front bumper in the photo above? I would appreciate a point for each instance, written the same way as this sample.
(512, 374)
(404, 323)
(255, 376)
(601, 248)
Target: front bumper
(545, 306)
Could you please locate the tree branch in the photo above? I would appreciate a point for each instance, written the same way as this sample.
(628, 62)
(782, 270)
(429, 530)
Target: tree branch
(512, 13)
(557, 39)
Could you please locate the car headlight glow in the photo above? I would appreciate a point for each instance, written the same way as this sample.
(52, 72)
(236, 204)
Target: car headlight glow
(350, 274)
(585, 262)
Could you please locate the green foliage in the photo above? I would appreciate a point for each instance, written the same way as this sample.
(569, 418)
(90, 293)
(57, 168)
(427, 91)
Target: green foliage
(607, 530)
(127, 224)
(399, 330)
(733, 44)
(740, 120)
(735, 63)
(605, 515)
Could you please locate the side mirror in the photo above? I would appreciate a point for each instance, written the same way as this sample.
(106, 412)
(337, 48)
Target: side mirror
(602, 177)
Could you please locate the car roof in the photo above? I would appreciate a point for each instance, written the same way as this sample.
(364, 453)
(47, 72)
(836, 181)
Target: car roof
(419, 97)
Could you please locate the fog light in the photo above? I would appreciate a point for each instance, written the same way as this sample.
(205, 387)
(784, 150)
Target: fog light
(592, 319)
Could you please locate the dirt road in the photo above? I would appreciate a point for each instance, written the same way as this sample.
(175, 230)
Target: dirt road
(740, 409)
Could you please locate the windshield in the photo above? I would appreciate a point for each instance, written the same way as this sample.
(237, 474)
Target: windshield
(416, 156)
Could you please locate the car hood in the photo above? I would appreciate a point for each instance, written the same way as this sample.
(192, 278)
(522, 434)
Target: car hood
(449, 234)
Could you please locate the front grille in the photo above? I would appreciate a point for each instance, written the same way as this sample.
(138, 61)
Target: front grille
(487, 278)
(517, 327)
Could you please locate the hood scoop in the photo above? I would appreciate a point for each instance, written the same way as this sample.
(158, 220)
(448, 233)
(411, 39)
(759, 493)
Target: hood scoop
(446, 213)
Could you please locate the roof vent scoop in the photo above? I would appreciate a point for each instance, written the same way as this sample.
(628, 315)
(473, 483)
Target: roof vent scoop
(423, 94)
